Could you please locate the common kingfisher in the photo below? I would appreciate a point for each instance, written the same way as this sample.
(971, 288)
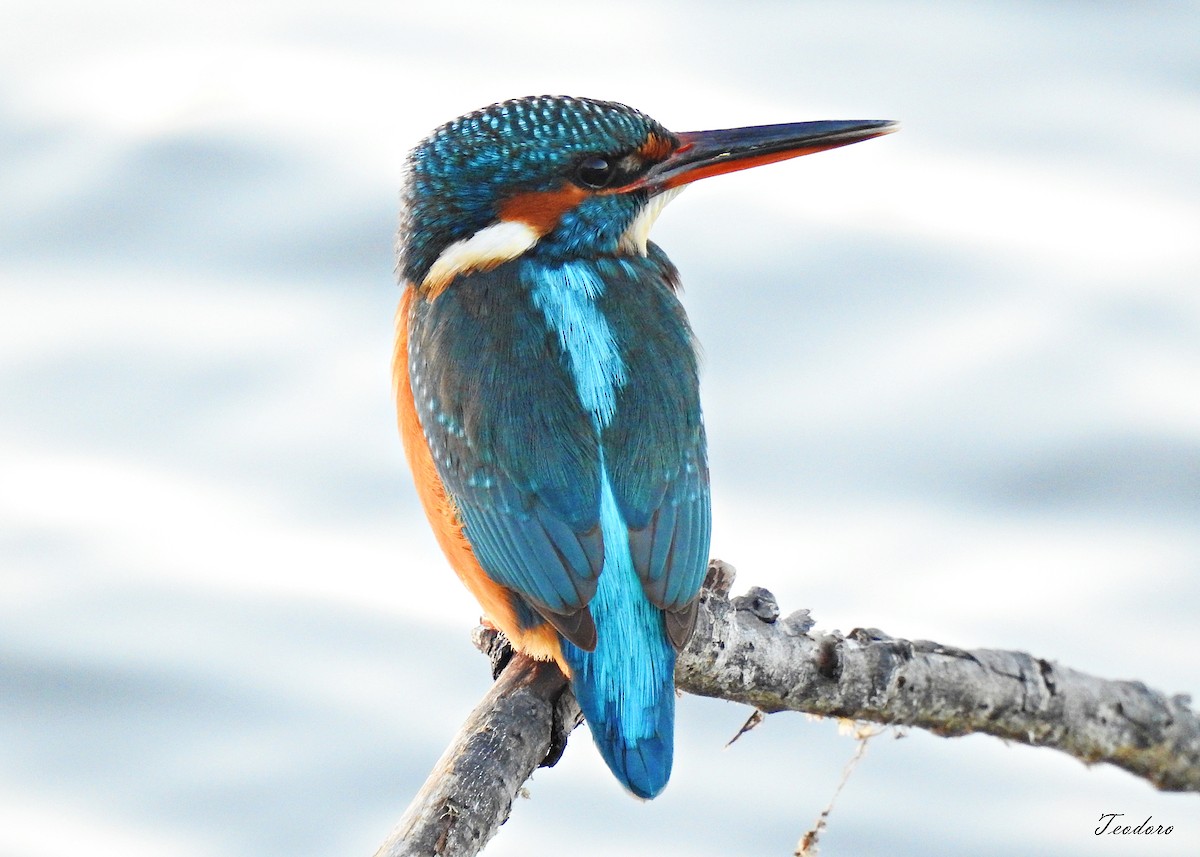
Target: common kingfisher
(547, 389)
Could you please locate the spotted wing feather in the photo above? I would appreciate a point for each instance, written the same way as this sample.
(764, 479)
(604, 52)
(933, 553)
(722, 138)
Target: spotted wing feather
(511, 444)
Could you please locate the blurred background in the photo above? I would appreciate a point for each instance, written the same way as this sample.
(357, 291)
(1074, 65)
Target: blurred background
(952, 389)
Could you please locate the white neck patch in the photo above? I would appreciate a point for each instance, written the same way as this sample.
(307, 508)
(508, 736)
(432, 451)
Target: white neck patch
(487, 248)
(634, 238)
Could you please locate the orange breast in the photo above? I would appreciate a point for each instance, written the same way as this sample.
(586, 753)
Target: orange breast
(496, 600)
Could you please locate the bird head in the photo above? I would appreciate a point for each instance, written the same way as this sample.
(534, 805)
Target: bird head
(564, 178)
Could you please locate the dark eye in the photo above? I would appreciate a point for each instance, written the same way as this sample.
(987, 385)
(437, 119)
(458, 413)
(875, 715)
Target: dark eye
(595, 172)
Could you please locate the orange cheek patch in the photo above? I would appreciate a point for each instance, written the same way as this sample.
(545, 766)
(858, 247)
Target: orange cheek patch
(542, 209)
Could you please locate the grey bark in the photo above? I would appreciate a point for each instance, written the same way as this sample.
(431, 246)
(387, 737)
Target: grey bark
(744, 651)
(470, 791)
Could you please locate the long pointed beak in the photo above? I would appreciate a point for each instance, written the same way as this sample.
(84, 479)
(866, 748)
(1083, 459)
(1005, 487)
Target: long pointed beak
(709, 153)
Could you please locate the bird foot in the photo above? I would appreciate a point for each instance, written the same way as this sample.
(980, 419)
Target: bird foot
(565, 715)
(565, 718)
(492, 642)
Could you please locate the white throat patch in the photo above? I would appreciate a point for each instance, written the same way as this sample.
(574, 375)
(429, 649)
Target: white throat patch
(634, 238)
(487, 248)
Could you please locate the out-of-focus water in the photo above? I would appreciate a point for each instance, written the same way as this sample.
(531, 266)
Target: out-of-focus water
(950, 385)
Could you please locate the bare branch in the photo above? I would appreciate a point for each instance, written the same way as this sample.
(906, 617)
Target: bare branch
(470, 791)
(743, 651)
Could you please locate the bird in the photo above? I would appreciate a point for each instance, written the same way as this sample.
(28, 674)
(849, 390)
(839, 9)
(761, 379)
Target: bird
(547, 389)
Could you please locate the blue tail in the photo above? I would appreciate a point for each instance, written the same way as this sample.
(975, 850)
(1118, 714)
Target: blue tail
(626, 687)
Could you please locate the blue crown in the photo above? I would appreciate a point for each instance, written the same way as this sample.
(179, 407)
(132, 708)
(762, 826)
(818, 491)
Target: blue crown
(459, 174)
